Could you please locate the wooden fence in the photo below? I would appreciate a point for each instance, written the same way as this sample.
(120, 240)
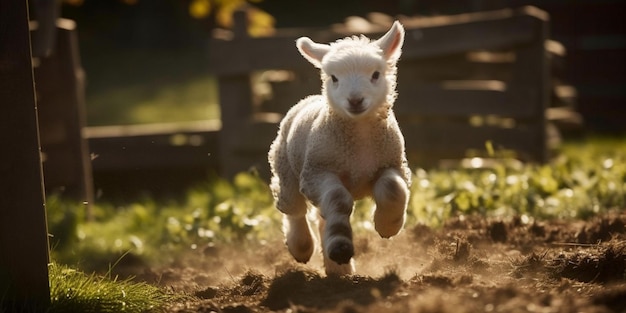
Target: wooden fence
(463, 80)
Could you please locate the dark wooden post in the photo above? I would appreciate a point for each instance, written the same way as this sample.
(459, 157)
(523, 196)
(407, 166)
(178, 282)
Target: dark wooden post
(235, 102)
(59, 82)
(23, 230)
(532, 69)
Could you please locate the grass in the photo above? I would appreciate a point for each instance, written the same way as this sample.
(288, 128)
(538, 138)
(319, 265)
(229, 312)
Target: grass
(145, 86)
(192, 99)
(74, 291)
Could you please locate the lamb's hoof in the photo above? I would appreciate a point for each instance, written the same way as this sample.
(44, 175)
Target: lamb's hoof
(390, 230)
(335, 270)
(301, 252)
(341, 253)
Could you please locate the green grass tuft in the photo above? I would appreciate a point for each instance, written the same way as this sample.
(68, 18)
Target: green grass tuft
(74, 291)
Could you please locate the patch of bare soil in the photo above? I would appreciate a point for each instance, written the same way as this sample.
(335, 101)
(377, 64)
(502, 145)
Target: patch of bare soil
(471, 264)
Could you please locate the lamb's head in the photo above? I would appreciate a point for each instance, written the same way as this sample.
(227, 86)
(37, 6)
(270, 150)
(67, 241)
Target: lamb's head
(358, 75)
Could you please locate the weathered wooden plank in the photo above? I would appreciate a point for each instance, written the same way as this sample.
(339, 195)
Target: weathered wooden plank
(450, 139)
(163, 159)
(484, 30)
(473, 35)
(451, 67)
(152, 129)
(23, 229)
(436, 100)
(195, 149)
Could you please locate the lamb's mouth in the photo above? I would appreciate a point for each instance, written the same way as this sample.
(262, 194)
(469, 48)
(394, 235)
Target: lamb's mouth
(356, 110)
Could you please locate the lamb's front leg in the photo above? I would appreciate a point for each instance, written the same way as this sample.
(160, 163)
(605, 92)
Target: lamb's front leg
(331, 267)
(391, 195)
(335, 205)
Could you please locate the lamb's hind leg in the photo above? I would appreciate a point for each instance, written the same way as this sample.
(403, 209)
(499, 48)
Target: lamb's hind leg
(298, 237)
(391, 195)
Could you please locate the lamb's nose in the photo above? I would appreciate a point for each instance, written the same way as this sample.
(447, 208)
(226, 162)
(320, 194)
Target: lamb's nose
(355, 102)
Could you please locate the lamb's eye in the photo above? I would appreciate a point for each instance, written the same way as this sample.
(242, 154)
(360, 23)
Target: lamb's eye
(375, 75)
(334, 78)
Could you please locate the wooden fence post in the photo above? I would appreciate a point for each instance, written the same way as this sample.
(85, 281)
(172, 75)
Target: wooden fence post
(60, 86)
(235, 103)
(23, 231)
(532, 69)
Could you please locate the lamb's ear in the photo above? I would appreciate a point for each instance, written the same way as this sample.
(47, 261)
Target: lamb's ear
(313, 52)
(391, 42)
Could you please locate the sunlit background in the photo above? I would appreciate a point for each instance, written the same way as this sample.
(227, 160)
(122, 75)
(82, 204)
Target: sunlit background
(146, 61)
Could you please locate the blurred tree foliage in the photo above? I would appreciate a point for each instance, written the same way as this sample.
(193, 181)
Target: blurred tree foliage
(220, 13)
(259, 22)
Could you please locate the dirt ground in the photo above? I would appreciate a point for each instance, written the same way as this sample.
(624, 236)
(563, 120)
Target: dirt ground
(470, 265)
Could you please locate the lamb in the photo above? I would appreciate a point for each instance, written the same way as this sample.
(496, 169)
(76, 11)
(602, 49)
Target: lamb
(340, 146)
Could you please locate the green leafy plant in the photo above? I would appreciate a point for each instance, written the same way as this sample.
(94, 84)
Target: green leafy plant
(585, 179)
(218, 212)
